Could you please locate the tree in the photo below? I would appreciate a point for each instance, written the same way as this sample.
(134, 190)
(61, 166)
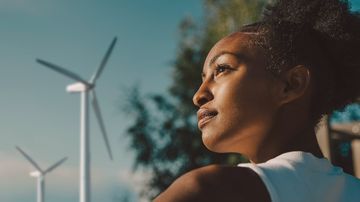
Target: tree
(164, 132)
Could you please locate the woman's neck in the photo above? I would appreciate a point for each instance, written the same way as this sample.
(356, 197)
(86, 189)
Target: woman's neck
(303, 140)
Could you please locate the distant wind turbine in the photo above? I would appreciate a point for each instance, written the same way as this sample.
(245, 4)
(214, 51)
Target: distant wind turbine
(84, 87)
(40, 174)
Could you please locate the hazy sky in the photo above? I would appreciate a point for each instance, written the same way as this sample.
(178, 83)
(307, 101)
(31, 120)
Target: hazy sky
(37, 113)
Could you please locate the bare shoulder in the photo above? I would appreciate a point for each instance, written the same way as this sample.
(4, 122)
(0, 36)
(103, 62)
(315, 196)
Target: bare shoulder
(216, 183)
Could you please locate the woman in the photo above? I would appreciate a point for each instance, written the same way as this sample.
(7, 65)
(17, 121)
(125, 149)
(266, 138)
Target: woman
(264, 90)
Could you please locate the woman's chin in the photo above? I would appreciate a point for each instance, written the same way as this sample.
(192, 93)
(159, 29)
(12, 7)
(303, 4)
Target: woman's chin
(214, 144)
(209, 143)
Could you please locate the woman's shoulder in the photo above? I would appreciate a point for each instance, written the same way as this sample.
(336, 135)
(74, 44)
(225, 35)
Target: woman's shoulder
(216, 183)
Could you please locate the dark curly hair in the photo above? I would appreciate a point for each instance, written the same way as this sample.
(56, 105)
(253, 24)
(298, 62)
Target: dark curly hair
(323, 35)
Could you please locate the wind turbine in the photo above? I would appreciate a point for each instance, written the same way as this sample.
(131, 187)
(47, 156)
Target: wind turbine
(84, 88)
(40, 174)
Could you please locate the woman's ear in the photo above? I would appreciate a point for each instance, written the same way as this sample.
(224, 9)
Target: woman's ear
(296, 82)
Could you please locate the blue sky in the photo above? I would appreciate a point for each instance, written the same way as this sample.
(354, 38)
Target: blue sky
(37, 113)
(355, 4)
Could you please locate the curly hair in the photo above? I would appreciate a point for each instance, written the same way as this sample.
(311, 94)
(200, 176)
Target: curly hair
(324, 36)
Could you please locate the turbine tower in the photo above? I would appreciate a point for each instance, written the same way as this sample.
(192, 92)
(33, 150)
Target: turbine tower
(40, 174)
(84, 88)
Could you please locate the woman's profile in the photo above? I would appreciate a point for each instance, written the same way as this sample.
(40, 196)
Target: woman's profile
(264, 89)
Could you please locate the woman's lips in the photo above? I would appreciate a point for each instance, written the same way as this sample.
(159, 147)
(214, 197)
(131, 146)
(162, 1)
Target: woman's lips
(204, 116)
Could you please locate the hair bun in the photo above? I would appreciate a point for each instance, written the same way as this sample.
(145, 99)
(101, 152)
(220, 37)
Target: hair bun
(329, 17)
(291, 24)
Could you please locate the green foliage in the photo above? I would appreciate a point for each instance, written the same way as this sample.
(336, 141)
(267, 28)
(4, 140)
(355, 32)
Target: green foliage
(350, 113)
(164, 132)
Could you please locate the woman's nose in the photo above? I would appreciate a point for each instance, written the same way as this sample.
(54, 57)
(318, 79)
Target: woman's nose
(203, 95)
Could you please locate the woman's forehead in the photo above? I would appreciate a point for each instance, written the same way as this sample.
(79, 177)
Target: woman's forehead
(237, 44)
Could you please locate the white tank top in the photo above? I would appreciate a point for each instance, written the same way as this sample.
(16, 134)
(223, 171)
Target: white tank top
(302, 177)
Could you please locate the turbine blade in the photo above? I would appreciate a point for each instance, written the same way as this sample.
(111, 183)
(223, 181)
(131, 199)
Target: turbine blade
(29, 159)
(97, 111)
(62, 71)
(55, 165)
(103, 62)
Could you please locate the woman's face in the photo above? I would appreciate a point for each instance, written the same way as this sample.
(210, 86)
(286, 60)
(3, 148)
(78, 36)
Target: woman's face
(237, 98)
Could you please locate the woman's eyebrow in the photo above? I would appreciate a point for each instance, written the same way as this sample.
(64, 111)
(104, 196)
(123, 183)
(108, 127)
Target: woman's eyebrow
(240, 56)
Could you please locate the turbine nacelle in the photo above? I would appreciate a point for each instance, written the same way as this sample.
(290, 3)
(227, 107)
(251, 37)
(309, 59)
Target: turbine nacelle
(35, 174)
(79, 87)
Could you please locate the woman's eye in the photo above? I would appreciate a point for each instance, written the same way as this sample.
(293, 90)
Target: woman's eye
(221, 68)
